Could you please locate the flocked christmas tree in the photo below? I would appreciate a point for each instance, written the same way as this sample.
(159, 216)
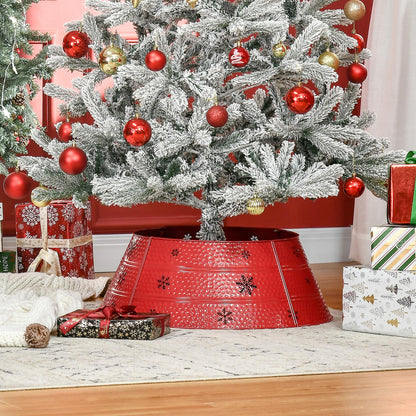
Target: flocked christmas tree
(177, 124)
(19, 71)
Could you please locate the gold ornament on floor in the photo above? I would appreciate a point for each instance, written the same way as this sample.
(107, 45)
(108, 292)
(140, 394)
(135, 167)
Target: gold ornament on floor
(111, 58)
(192, 3)
(18, 99)
(255, 206)
(279, 50)
(42, 203)
(328, 58)
(354, 9)
(135, 3)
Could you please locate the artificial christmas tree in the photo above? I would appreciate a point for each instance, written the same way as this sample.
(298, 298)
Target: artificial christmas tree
(296, 137)
(18, 74)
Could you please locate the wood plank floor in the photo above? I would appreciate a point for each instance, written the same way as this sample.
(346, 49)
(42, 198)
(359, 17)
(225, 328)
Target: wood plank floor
(382, 393)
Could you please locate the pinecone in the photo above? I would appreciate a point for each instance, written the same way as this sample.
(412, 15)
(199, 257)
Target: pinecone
(19, 99)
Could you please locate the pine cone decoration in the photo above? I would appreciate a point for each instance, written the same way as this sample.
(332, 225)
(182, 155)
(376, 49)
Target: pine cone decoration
(19, 99)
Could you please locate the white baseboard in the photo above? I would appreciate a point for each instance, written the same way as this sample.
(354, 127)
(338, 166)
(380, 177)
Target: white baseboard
(321, 245)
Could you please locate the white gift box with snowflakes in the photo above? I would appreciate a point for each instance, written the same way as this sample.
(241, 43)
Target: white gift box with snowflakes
(379, 301)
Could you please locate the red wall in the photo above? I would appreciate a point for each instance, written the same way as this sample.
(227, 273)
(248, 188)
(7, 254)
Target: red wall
(50, 16)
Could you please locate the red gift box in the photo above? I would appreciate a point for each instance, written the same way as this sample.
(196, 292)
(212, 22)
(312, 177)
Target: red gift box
(59, 231)
(401, 197)
(110, 322)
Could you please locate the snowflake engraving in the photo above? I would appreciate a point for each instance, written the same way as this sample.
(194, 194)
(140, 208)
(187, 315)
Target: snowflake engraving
(175, 252)
(245, 254)
(246, 284)
(163, 282)
(224, 316)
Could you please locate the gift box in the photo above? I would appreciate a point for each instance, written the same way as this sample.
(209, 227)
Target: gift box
(58, 235)
(7, 261)
(401, 205)
(379, 301)
(393, 248)
(108, 322)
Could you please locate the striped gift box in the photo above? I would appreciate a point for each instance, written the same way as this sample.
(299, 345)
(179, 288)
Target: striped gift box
(393, 248)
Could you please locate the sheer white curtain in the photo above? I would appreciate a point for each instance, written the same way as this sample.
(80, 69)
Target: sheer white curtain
(390, 91)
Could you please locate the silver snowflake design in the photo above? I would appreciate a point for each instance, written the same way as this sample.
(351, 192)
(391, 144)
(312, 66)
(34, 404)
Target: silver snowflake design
(68, 254)
(187, 237)
(254, 238)
(224, 316)
(246, 285)
(163, 282)
(68, 213)
(30, 215)
(83, 261)
(78, 229)
(53, 216)
(28, 235)
(73, 273)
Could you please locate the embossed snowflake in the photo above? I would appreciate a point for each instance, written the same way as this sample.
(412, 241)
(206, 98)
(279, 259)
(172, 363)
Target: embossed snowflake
(224, 316)
(246, 284)
(163, 282)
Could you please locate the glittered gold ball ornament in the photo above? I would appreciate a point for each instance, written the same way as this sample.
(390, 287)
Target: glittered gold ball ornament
(135, 3)
(255, 206)
(111, 58)
(41, 203)
(279, 50)
(354, 9)
(192, 3)
(328, 58)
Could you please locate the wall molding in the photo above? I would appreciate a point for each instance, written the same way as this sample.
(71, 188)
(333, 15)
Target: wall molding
(321, 245)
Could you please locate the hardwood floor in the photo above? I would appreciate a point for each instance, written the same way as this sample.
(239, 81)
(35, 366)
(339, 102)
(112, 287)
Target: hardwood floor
(382, 393)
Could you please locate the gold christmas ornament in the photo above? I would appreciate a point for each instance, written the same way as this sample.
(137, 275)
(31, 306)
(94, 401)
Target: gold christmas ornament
(39, 204)
(354, 9)
(279, 50)
(192, 3)
(328, 58)
(111, 58)
(135, 3)
(18, 99)
(255, 206)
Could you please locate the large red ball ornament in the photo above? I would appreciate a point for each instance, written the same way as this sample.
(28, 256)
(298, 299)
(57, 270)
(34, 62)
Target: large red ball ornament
(360, 43)
(137, 132)
(17, 185)
(239, 57)
(217, 116)
(73, 160)
(155, 60)
(356, 73)
(300, 99)
(354, 187)
(65, 132)
(75, 44)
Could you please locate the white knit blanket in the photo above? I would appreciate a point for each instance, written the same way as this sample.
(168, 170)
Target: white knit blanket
(27, 298)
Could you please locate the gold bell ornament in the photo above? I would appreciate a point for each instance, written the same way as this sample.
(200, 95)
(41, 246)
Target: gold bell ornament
(111, 58)
(255, 206)
(41, 203)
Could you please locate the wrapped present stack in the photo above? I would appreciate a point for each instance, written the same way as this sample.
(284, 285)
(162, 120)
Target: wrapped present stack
(382, 298)
(55, 239)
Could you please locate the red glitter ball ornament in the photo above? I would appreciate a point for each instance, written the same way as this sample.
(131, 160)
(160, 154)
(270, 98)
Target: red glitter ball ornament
(17, 185)
(354, 187)
(155, 60)
(217, 116)
(300, 99)
(360, 43)
(73, 160)
(65, 132)
(239, 57)
(137, 132)
(75, 44)
(356, 73)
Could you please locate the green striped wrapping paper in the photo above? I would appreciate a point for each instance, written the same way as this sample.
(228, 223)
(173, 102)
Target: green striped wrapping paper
(393, 248)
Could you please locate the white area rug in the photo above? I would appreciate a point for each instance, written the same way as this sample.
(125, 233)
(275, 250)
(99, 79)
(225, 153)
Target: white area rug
(203, 355)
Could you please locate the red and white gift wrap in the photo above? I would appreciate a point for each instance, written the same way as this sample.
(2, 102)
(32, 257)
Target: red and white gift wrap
(233, 284)
(56, 239)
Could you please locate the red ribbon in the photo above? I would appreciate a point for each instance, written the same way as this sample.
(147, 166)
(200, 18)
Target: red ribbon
(106, 314)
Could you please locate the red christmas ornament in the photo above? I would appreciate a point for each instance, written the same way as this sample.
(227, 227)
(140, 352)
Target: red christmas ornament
(17, 185)
(73, 160)
(300, 99)
(155, 60)
(75, 44)
(357, 73)
(354, 187)
(217, 116)
(360, 43)
(239, 57)
(65, 132)
(137, 132)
